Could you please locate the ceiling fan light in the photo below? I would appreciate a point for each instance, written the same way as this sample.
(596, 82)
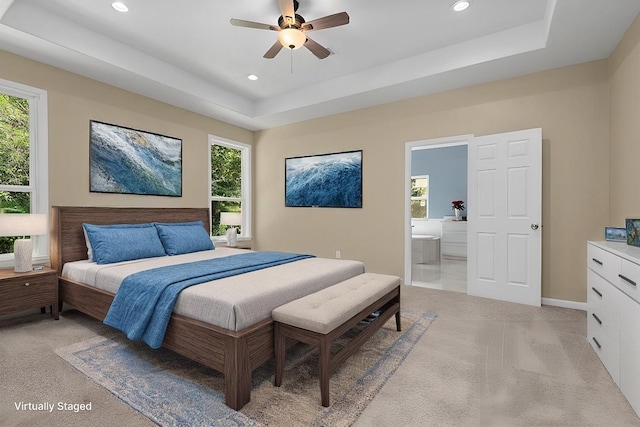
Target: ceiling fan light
(291, 38)
(460, 5)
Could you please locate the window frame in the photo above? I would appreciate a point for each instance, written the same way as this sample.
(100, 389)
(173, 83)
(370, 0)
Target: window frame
(38, 163)
(425, 198)
(245, 185)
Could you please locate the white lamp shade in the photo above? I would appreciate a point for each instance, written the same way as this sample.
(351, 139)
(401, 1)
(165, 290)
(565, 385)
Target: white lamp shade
(291, 38)
(23, 224)
(231, 218)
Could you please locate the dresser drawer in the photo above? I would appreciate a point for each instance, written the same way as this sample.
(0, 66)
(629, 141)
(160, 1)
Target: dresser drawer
(628, 279)
(604, 337)
(602, 296)
(630, 370)
(603, 262)
(630, 351)
(27, 292)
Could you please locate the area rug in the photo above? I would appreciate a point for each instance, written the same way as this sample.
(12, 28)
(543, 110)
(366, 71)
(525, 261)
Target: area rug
(171, 390)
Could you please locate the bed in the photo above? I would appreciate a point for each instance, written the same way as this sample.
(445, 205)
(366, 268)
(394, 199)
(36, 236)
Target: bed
(235, 347)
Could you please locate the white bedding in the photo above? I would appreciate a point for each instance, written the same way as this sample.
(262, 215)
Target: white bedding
(234, 302)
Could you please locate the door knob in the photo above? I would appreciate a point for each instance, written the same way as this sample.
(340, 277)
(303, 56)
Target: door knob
(534, 226)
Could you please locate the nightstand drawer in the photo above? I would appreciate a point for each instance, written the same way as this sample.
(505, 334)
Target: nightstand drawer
(23, 293)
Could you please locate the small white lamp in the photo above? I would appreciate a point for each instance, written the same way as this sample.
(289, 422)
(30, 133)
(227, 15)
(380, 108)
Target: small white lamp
(232, 219)
(23, 225)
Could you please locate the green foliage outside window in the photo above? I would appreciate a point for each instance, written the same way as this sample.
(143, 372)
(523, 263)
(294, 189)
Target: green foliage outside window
(14, 158)
(419, 197)
(226, 181)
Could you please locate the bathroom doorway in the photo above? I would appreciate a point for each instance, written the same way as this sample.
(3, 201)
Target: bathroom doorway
(435, 240)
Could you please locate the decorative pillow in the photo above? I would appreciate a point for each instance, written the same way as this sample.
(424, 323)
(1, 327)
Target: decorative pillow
(123, 242)
(88, 243)
(184, 237)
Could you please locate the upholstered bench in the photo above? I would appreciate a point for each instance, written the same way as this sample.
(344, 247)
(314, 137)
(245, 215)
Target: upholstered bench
(318, 319)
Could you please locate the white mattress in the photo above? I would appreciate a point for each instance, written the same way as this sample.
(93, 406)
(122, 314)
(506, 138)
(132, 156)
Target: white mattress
(234, 302)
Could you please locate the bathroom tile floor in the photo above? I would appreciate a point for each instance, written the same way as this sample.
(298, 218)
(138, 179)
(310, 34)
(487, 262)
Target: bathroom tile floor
(449, 275)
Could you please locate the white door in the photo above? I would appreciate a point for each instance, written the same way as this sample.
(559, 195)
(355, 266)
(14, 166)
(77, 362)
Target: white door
(504, 213)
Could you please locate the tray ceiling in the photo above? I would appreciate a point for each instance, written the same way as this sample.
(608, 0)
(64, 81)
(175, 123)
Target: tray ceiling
(187, 53)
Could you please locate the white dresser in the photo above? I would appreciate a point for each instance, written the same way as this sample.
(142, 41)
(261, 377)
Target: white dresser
(613, 316)
(453, 242)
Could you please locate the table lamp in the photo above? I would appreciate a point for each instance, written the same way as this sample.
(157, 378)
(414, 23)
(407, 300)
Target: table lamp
(232, 219)
(23, 225)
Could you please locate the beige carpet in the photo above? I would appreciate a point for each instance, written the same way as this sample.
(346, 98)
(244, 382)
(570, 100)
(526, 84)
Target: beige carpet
(172, 390)
(481, 363)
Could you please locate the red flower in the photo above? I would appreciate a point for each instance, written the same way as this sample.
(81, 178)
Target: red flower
(457, 204)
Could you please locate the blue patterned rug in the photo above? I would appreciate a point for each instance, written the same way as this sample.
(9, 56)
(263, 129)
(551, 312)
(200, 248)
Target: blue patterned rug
(173, 391)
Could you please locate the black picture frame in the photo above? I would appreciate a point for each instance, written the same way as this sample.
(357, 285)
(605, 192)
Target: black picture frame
(124, 160)
(331, 180)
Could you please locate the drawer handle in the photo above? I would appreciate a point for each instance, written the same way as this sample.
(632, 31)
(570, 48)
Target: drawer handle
(596, 341)
(597, 318)
(626, 279)
(597, 261)
(26, 284)
(597, 292)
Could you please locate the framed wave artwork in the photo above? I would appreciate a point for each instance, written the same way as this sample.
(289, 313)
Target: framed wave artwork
(130, 161)
(331, 180)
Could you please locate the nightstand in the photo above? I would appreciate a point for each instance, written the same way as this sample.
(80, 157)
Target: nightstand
(33, 289)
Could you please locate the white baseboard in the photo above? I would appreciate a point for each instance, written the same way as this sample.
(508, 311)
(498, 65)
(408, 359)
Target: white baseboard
(565, 304)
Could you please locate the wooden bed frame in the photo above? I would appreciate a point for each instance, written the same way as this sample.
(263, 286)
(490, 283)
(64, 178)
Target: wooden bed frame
(234, 354)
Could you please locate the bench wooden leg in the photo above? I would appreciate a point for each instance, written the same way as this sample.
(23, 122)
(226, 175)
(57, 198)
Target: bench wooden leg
(398, 322)
(325, 354)
(280, 350)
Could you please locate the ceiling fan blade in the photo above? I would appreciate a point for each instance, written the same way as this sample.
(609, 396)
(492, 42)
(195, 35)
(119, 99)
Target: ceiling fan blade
(329, 21)
(286, 8)
(273, 50)
(251, 24)
(317, 49)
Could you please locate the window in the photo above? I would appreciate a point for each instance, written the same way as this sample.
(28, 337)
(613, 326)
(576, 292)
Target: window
(23, 156)
(420, 197)
(230, 174)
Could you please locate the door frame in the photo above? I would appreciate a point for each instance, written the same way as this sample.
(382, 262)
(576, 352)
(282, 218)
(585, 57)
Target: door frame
(408, 148)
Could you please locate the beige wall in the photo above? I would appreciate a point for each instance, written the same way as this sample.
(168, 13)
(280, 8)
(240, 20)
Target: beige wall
(74, 100)
(569, 104)
(624, 72)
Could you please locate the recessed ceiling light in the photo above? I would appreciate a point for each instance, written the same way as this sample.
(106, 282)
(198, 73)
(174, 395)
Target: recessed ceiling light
(119, 6)
(460, 5)
(252, 77)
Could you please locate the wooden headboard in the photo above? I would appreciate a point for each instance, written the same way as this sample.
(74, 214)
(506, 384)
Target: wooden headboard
(67, 242)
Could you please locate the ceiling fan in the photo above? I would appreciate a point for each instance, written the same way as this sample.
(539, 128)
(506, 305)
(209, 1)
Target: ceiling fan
(292, 29)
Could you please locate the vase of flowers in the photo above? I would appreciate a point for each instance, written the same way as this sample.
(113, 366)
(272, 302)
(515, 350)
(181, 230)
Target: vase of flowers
(458, 207)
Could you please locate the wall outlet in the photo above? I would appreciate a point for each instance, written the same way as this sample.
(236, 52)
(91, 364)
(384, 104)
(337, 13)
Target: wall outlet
(338, 255)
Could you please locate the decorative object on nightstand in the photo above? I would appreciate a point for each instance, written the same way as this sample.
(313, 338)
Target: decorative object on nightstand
(458, 207)
(232, 219)
(24, 291)
(23, 225)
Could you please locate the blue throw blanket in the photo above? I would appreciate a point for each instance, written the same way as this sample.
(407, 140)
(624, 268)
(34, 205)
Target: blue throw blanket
(144, 302)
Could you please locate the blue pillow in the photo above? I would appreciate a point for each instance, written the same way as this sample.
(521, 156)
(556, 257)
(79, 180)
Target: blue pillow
(184, 237)
(123, 242)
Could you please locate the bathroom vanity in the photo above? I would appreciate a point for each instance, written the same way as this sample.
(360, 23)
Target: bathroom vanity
(454, 239)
